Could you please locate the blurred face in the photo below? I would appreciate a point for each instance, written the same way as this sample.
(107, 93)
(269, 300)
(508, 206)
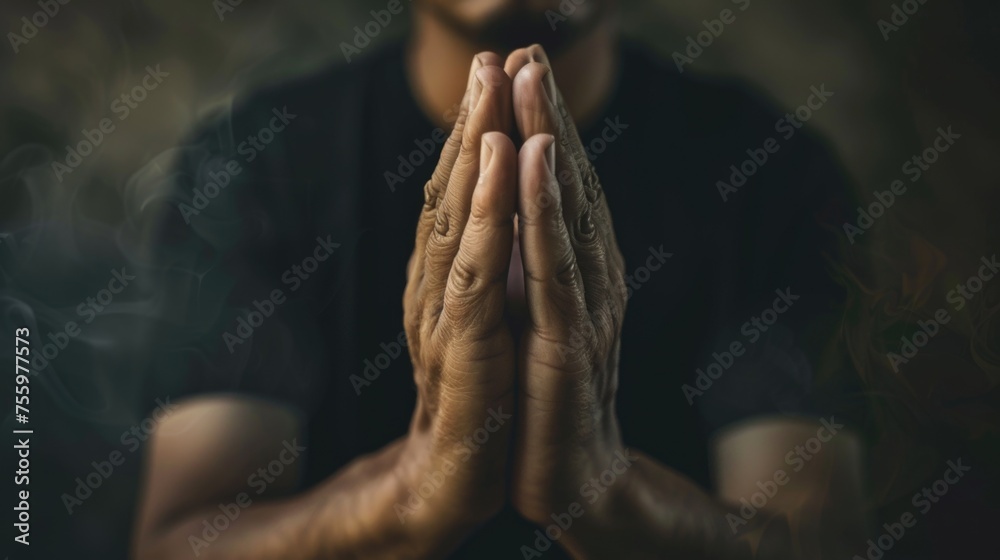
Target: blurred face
(505, 25)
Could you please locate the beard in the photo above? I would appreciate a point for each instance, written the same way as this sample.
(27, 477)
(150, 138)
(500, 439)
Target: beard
(515, 27)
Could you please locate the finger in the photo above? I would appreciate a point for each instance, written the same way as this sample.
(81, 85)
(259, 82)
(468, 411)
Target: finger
(490, 111)
(477, 282)
(559, 122)
(435, 187)
(554, 285)
(535, 108)
(520, 58)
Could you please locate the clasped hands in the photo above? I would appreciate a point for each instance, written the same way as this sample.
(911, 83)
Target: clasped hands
(556, 371)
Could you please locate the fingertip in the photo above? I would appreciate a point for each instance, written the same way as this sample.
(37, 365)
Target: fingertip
(537, 176)
(539, 149)
(497, 161)
(488, 58)
(492, 76)
(498, 141)
(481, 60)
(492, 82)
(534, 100)
(536, 78)
(537, 53)
(524, 56)
(497, 149)
(550, 153)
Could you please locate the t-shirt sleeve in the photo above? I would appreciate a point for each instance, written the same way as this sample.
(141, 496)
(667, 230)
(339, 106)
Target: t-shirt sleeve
(778, 353)
(229, 319)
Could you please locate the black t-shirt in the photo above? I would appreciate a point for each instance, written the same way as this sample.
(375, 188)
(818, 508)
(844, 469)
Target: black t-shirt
(286, 230)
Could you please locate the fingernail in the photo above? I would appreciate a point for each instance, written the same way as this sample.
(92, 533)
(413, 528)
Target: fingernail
(550, 155)
(485, 157)
(476, 65)
(537, 53)
(477, 92)
(549, 85)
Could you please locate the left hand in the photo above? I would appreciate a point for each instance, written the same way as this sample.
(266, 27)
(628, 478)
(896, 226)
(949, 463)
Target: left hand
(575, 303)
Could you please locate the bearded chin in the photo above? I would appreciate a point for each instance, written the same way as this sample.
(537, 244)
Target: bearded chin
(515, 28)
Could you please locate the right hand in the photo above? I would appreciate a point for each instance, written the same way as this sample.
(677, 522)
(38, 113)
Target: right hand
(461, 349)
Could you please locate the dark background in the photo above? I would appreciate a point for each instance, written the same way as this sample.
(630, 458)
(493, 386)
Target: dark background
(60, 240)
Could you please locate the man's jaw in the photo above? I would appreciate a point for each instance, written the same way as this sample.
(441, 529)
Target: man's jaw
(515, 27)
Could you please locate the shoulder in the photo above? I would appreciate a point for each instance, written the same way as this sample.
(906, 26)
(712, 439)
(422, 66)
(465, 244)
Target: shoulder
(704, 104)
(716, 123)
(271, 150)
(315, 101)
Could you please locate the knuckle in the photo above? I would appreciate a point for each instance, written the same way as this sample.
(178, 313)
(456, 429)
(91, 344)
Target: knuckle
(591, 183)
(566, 137)
(536, 53)
(432, 192)
(429, 314)
(603, 319)
(469, 152)
(567, 178)
(442, 224)
(463, 114)
(442, 236)
(464, 279)
(584, 230)
(480, 217)
(566, 272)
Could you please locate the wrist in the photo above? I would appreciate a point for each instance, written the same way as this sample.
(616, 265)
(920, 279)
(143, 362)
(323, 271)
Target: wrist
(592, 475)
(597, 519)
(436, 497)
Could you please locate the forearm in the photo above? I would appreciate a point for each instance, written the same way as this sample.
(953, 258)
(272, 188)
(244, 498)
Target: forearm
(351, 515)
(653, 512)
